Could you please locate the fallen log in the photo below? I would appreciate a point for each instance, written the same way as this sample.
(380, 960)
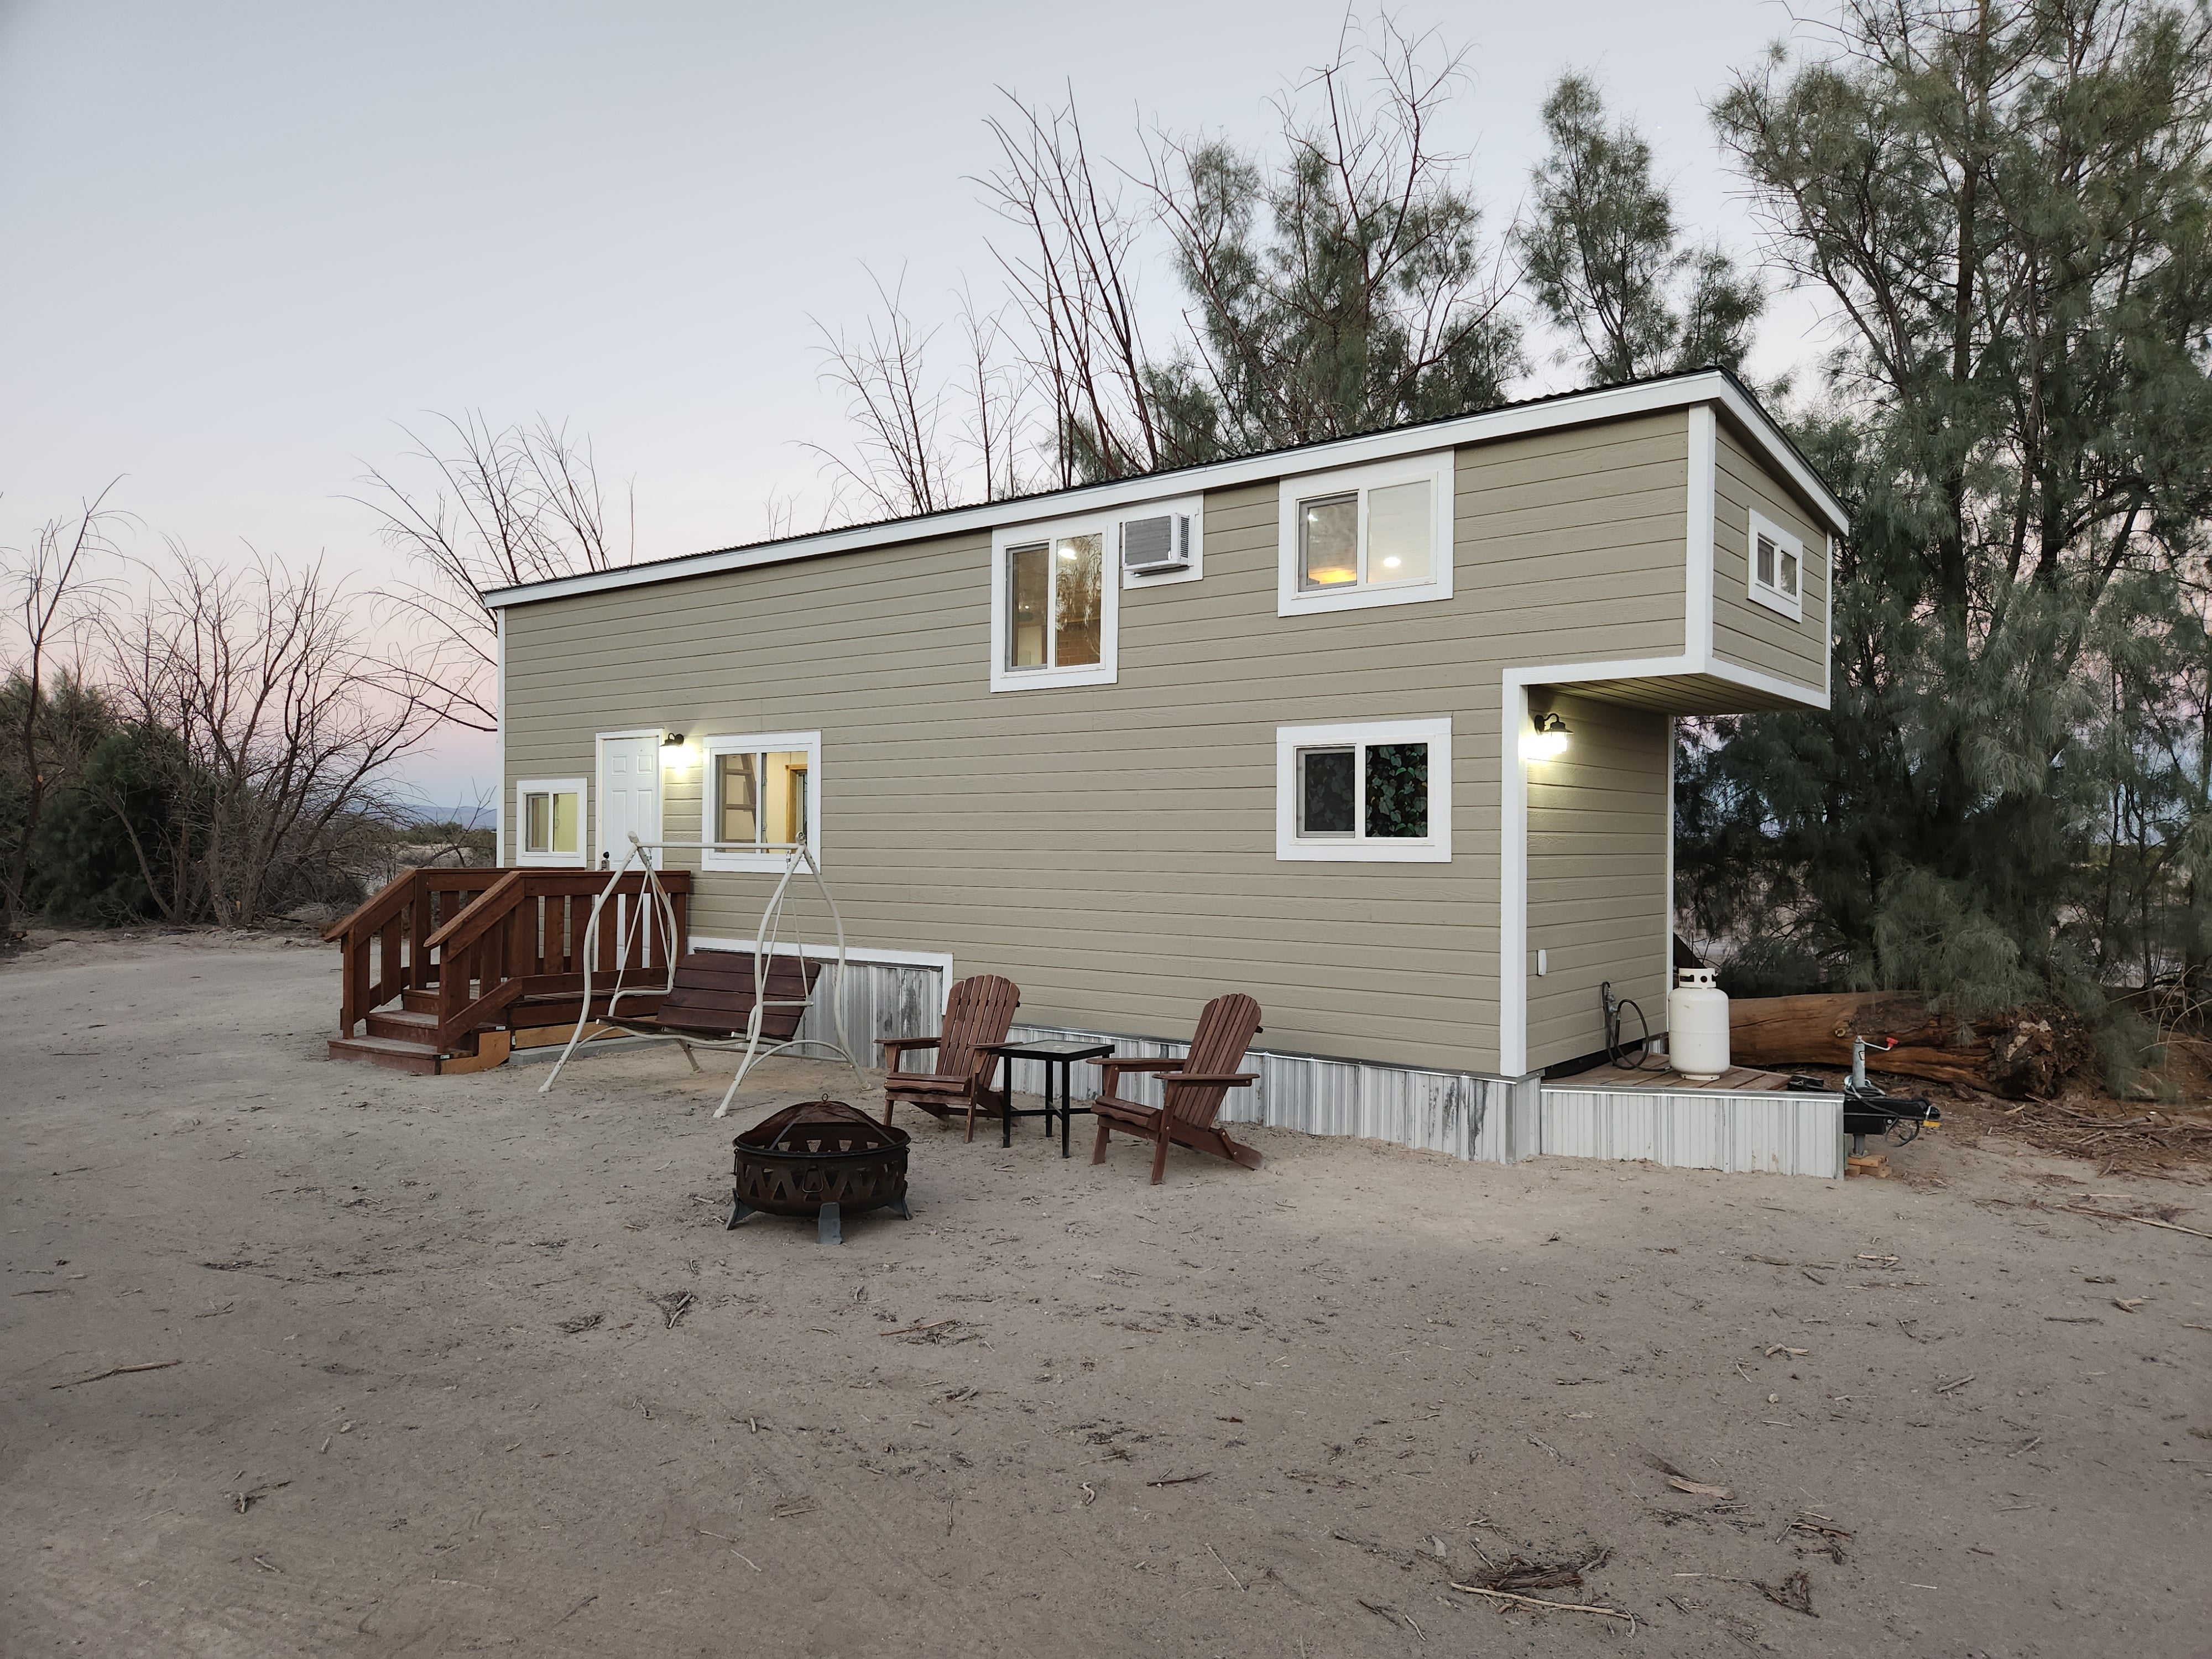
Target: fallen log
(2021, 1054)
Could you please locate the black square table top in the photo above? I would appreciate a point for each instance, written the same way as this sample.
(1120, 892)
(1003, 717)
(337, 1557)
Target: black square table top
(1052, 1048)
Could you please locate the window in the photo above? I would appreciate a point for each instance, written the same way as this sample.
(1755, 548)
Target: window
(1375, 792)
(763, 798)
(1777, 568)
(1366, 536)
(1053, 610)
(549, 815)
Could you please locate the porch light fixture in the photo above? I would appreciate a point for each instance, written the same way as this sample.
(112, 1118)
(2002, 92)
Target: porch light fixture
(674, 751)
(1545, 739)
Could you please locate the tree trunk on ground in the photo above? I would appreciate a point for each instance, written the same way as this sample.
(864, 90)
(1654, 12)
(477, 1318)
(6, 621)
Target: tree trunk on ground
(2020, 1054)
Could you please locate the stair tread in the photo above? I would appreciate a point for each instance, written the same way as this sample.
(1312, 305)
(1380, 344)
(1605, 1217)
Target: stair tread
(388, 1045)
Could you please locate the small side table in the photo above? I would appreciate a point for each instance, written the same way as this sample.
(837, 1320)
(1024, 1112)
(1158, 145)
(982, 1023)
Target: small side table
(1062, 1053)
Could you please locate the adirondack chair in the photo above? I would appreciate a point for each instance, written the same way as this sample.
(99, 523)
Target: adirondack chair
(1196, 1086)
(978, 1012)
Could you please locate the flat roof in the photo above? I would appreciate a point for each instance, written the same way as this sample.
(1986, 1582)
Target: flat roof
(1564, 409)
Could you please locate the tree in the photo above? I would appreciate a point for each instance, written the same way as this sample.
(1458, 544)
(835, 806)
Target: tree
(509, 505)
(54, 580)
(2006, 206)
(1605, 260)
(1340, 283)
(268, 732)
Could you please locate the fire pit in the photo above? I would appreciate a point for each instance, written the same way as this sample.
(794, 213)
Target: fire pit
(823, 1159)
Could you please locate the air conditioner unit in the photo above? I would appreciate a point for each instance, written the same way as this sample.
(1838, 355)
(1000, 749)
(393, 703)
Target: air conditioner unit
(1153, 547)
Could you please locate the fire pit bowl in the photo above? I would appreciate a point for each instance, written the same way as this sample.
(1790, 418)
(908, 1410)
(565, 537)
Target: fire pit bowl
(823, 1159)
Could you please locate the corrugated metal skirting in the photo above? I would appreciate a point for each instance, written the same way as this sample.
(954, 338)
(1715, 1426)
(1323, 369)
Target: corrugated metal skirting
(1485, 1119)
(1454, 1112)
(1776, 1132)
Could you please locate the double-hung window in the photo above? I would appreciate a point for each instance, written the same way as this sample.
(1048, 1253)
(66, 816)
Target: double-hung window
(1053, 609)
(1366, 536)
(549, 821)
(1375, 792)
(762, 799)
(1777, 568)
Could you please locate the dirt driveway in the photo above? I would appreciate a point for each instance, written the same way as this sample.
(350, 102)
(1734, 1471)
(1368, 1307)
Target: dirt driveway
(466, 1370)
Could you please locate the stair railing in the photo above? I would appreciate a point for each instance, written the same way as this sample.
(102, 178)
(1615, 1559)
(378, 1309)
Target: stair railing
(386, 944)
(526, 937)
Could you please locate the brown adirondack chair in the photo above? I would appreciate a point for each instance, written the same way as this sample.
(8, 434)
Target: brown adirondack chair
(978, 1012)
(1196, 1086)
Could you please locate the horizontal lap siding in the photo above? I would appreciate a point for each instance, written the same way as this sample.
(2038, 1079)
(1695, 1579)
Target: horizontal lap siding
(1597, 876)
(1111, 848)
(1745, 633)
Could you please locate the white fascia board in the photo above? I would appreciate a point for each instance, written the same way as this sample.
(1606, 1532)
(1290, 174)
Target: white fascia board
(1577, 409)
(1698, 576)
(499, 749)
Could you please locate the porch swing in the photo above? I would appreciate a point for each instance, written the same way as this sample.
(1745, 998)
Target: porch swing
(717, 999)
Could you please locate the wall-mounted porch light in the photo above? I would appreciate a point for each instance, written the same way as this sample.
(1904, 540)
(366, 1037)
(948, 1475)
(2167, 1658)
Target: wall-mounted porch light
(1545, 739)
(675, 753)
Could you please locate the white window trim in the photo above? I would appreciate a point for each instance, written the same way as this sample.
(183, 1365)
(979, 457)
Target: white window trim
(1190, 507)
(599, 742)
(1104, 671)
(1791, 606)
(1292, 600)
(712, 858)
(580, 787)
(1435, 848)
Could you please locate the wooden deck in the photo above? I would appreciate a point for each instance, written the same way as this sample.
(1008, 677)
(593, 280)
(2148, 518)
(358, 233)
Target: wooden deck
(1623, 1079)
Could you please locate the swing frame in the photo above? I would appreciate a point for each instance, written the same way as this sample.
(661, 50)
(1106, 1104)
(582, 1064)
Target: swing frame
(657, 911)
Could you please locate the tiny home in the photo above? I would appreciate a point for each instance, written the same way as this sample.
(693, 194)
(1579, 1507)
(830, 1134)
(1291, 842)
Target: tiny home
(1378, 730)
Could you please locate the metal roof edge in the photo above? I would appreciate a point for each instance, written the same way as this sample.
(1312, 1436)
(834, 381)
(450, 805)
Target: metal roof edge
(1556, 409)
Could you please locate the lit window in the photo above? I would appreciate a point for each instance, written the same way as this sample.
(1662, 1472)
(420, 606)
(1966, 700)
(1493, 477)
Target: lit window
(1778, 560)
(1372, 792)
(1056, 602)
(1052, 609)
(1367, 536)
(763, 798)
(549, 821)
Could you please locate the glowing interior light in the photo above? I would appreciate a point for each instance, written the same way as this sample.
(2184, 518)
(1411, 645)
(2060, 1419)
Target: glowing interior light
(1389, 564)
(1068, 553)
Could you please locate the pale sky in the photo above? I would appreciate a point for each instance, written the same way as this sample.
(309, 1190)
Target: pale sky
(245, 242)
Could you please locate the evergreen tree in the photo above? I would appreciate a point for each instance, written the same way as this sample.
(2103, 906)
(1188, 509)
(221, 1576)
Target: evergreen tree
(1606, 260)
(2006, 207)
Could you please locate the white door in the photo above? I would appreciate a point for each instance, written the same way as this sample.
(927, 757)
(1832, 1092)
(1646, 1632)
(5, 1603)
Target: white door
(629, 795)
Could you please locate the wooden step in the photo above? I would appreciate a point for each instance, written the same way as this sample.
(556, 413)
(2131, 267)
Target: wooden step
(419, 1058)
(404, 1025)
(419, 1002)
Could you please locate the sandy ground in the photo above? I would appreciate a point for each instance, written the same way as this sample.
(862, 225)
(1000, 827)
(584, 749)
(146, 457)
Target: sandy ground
(1059, 1412)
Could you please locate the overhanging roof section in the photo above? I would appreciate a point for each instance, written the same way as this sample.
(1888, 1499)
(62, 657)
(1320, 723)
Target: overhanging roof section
(1566, 409)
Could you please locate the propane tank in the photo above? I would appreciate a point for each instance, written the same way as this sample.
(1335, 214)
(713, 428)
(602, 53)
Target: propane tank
(1698, 1026)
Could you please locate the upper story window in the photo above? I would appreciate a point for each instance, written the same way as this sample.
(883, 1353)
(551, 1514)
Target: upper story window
(763, 798)
(549, 815)
(1377, 792)
(1366, 536)
(1777, 568)
(1053, 610)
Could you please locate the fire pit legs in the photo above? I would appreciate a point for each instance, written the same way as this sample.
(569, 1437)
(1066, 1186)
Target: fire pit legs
(738, 1210)
(826, 1230)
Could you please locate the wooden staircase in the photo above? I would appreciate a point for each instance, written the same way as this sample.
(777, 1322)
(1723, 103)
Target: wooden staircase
(451, 970)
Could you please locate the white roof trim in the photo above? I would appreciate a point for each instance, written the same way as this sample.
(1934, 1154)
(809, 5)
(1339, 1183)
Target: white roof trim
(1576, 409)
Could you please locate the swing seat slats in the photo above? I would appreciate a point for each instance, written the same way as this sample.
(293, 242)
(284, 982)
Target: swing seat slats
(714, 992)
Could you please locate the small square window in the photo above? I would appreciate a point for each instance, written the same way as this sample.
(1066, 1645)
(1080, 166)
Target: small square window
(1371, 793)
(1366, 536)
(549, 821)
(1777, 564)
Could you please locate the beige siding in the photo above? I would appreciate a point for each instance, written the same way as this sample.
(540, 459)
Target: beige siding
(1747, 633)
(1597, 876)
(1111, 848)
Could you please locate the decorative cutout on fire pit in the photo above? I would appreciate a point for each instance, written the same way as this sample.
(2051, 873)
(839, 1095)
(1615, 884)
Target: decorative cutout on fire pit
(820, 1157)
